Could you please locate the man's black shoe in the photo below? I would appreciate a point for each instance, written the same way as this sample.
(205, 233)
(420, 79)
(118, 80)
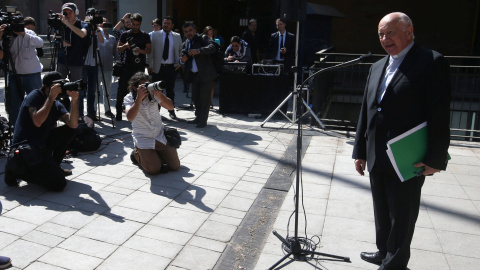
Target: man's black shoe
(132, 157)
(172, 114)
(372, 257)
(94, 118)
(109, 114)
(10, 179)
(66, 172)
(194, 121)
(201, 125)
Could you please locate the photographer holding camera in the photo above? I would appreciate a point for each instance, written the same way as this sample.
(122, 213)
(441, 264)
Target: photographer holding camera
(141, 106)
(136, 44)
(24, 66)
(38, 145)
(70, 54)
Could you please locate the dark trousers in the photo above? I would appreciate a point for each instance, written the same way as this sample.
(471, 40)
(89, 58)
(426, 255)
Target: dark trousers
(48, 173)
(167, 74)
(122, 91)
(90, 77)
(201, 91)
(396, 206)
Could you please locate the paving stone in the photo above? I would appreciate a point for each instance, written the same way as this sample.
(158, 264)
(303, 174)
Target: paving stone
(229, 170)
(36, 211)
(202, 196)
(145, 201)
(55, 229)
(237, 203)
(42, 266)
(88, 247)
(216, 231)
(179, 219)
(461, 244)
(69, 259)
(42, 238)
(348, 228)
(15, 227)
(130, 214)
(201, 258)
(461, 262)
(111, 230)
(423, 259)
(153, 246)
(74, 219)
(163, 234)
(24, 252)
(209, 244)
(6, 239)
(248, 187)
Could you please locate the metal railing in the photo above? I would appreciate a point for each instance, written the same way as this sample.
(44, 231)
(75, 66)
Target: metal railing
(339, 93)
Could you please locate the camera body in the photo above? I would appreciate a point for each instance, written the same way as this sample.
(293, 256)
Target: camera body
(14, 23)
(96, 15)
(159, 86)
(54, 21)
(70, 86)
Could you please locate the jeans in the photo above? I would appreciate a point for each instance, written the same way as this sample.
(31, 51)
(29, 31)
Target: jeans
(15, 95)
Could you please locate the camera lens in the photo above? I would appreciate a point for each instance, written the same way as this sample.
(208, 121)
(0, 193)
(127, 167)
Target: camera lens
(156, 86)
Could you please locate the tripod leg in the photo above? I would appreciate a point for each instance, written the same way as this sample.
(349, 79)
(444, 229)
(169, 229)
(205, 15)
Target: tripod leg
(345, 259)
(280, 261)
(277, 109)
(313, 114)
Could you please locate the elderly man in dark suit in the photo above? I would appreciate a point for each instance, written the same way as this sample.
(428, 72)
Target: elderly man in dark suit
(198, 67)
(406, 88)
(281, 47)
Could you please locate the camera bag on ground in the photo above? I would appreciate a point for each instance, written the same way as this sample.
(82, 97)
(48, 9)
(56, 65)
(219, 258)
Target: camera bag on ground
(23, 156)
(173, 137)
(86, 139)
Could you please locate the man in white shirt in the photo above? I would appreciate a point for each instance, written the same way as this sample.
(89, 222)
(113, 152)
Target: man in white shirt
(141, 107)
(25, 68)
(164, 60)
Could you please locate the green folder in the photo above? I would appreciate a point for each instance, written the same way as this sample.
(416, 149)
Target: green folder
(407, 149)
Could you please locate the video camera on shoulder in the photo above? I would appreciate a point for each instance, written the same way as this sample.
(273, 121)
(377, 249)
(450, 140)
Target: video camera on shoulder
(96, 15)
(54, 21)
(13, 21)
(70, 86)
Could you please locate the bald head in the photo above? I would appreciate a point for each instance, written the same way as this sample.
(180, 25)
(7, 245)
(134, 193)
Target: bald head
(395, 31)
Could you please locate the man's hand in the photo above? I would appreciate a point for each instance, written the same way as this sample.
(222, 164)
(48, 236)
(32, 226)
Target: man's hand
(230, 58)
(2, 29)
(73, 94)
(127, 16)
(193, 52)
(184, 58)
(283, 50)
(360, 166)
(428, 170)
(55, 91)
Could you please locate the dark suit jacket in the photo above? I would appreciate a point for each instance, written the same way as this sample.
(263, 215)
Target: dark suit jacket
(204, 61)
(289, 45)
(418, 92)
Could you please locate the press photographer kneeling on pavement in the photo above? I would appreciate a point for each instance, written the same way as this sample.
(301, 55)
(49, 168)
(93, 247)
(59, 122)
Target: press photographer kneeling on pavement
(141, 106)
(39, 145)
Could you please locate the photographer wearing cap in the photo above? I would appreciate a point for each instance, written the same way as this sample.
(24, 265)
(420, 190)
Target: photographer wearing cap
(70, 54)
(151, 147)
(38, 145)
(24, 74)
(136, 44)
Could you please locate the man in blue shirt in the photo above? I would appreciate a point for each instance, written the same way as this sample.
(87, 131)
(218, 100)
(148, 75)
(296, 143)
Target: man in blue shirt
(36, 129)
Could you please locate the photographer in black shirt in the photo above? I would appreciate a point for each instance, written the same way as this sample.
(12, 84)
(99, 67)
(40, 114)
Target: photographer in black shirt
(136, 44)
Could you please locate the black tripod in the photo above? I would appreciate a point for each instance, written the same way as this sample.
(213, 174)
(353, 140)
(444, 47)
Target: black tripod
(98, 63)
(293, 246)
(296, 246)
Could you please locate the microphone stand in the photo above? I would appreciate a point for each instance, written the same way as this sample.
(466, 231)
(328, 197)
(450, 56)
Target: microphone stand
(293, 246)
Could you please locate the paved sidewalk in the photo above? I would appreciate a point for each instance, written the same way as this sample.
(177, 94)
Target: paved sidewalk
(112, 215)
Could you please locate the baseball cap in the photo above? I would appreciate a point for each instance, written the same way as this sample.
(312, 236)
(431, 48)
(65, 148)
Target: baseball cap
(50, 77)
(70, 6)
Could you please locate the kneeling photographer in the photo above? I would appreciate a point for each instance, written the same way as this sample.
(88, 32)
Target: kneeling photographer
(38, 145)
(24, 72)
(152, 150)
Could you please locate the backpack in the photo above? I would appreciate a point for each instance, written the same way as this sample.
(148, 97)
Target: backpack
(86, 139)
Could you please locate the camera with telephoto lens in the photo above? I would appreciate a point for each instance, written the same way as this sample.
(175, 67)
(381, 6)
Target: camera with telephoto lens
(13, 21)
(159, 86)
(96, 15)
(69, 86)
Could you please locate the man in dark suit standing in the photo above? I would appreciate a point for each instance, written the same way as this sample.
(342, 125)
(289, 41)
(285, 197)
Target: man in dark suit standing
(281, 46)
(408, 87)
(198, 67)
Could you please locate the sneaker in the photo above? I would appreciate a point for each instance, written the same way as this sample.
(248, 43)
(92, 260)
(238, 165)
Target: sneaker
(132, 157)
(10, 179)
(109, 114)
(5, 262)
(172, 114)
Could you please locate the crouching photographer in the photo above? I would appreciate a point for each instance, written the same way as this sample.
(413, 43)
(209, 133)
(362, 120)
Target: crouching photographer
(152, 150)
(38, 145)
